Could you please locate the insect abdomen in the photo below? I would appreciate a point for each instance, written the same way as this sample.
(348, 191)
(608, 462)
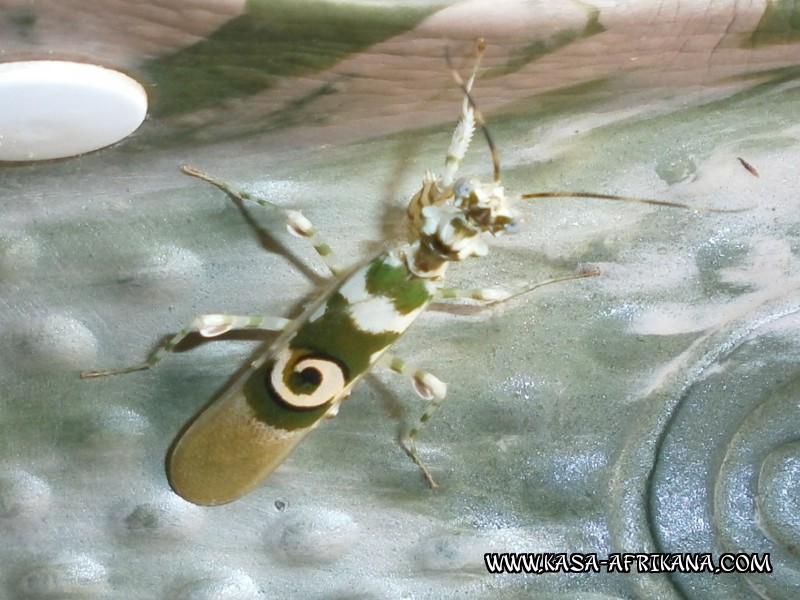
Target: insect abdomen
(240, 439)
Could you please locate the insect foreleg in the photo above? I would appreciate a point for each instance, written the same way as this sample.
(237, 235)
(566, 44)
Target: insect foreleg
(296, 222)
(430, 388)
(438, 190)
(465, 129)
(207, 326)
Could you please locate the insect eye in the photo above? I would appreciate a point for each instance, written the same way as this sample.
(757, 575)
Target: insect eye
(464, 188)
(514, 225)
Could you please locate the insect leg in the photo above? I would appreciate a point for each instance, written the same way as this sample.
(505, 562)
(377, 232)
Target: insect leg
(496, 295)
(207, 326)
(297, 224)
(476, 116)
(425, 384)
(436, 191)
(462, 136)
(430, 388)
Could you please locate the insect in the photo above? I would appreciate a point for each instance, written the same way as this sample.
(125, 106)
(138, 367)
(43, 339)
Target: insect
(319, 356)
(750, 168)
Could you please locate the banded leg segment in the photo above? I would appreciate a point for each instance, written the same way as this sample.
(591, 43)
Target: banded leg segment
(438, 190)
(430, 388)
(207, 326)
(496, 295)
(465, 129)
(427, 385)
(297, 224)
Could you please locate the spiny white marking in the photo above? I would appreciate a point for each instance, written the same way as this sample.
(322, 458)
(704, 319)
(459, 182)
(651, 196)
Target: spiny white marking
(431, 217)
(459, 240)
(332, 380)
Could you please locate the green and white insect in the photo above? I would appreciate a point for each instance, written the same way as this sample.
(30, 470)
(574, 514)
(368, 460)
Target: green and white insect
(319, 357)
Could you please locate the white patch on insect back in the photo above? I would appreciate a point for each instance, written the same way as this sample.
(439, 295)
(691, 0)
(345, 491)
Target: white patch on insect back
(355, 288)
(378, 314)
(375, 313)
(331, 379)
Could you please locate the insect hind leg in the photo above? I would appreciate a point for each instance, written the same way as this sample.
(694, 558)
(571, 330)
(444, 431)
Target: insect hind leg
(207, 326)
(431, 388)
(297, 223)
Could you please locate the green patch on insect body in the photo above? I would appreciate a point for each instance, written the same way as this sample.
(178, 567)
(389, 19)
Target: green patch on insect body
(392, 280)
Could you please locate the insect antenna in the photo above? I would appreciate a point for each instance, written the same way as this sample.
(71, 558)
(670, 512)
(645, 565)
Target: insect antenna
(465, 88)
(480, 121)
(617, 198)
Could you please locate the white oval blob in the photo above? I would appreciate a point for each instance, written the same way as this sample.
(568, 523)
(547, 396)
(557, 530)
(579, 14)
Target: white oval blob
(55, 109)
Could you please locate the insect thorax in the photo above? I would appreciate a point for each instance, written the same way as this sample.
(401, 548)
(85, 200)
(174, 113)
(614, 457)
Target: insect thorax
(339, 341)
